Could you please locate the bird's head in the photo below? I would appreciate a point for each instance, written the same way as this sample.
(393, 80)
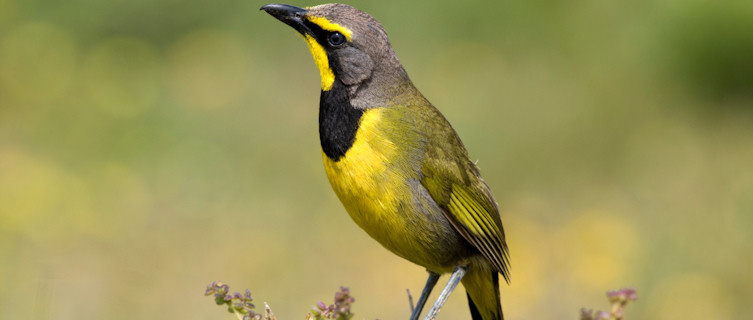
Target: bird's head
(349, 46)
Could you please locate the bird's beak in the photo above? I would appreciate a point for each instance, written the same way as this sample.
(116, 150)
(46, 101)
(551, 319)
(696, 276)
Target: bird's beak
(291, 15)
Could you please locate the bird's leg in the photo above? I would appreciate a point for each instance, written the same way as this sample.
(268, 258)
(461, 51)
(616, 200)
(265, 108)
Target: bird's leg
(430, 283)
(457, 275)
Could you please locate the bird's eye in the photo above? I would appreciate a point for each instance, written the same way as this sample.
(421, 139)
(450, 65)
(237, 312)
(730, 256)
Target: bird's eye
(336, 38)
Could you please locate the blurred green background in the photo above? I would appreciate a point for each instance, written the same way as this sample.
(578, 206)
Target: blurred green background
(148, 148)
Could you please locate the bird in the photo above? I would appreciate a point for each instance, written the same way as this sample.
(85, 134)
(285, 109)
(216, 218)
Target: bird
(395, 162)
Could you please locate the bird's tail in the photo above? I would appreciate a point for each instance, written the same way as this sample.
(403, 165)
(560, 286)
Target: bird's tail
(482, 286)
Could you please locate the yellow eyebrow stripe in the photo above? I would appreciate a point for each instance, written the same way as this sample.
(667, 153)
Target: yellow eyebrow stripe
(325, 24)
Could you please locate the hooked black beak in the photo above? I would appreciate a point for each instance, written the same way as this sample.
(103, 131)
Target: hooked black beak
(290, 15)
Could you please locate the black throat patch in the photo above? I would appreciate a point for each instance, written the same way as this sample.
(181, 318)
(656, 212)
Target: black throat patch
(338, 121)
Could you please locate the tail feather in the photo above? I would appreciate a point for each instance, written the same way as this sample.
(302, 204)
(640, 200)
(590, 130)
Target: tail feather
(475, 315)
(482, 287)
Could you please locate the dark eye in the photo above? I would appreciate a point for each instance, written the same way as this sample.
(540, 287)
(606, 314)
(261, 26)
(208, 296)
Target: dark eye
(336, 38)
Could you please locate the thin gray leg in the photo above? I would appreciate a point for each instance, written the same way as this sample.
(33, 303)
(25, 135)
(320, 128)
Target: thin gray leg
(457, 275)
(430, 283)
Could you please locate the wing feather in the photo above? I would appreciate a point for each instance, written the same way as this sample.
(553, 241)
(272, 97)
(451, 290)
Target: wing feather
(478, 226)
(455, 184)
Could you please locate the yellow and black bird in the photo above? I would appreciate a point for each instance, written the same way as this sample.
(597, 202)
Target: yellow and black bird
(394, 161)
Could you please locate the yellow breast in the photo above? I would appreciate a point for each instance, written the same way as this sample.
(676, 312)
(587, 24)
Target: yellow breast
(375, 182)
(366, 182)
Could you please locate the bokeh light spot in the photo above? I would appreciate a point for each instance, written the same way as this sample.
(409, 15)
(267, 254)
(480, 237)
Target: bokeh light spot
(209, 69)
(39, 200)
(690, 296)
(599, 248)
(37, 62)
(121, 76)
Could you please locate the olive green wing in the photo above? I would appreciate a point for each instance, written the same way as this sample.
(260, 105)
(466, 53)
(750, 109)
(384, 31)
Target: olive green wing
(455, 184)
(476, 222)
